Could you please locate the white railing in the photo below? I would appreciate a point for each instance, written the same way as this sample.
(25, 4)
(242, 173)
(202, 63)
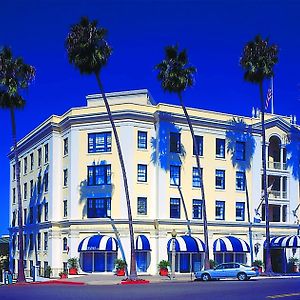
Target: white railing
(277, 195)
(276, 165)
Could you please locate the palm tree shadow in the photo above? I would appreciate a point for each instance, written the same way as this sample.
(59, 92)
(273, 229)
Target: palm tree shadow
(161, 155)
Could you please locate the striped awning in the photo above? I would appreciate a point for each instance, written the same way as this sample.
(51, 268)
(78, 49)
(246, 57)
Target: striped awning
(186, 243)
(98, 243)
(286, 241)
(230, 244)
(142, 243)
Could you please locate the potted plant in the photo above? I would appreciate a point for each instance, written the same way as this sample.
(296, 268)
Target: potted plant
(73, 265)
(120, 266)
(163, 268)
(47, 272)
(63, 275)
(259, 264)
(293, 261)
(212, 264)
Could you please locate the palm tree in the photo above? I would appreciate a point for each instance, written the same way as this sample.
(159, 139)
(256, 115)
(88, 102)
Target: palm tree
(258, 60)
(239, 132)
(89, 52)
(176, 75)
(15, 75)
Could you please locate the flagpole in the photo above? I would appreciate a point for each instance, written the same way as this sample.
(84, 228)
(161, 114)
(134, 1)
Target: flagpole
(272, 87)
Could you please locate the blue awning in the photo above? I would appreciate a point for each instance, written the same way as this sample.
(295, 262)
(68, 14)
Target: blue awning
(186, 243)
(98, 243)
(230, 244)
(286, 241)
(142, 243)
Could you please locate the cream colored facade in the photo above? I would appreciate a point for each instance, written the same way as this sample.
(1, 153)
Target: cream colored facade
(135, 111)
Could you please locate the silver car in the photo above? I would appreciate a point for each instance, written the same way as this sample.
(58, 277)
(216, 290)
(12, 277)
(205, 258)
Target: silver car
(228, 270)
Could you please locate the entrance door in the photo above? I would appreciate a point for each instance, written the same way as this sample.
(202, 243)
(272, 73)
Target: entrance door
(278, 259)
(99, 262)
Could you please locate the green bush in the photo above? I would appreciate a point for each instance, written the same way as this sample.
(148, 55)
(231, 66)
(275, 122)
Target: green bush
(120, 264)
(73, 263)
(163, 264)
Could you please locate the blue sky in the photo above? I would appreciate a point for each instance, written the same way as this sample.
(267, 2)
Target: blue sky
(213, 32)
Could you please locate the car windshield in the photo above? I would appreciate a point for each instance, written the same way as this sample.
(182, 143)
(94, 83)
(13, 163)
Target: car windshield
(245, 266)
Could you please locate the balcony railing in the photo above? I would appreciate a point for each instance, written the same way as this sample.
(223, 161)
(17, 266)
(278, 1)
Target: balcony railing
(276, 165)
(277, 195)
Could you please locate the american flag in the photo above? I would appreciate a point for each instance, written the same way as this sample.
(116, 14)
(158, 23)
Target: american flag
(269, 97)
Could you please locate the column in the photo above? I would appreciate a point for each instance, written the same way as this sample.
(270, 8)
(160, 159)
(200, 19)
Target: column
(281, 187)
(281, 157)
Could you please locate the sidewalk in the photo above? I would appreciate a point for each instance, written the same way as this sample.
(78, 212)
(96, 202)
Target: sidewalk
(110, 279)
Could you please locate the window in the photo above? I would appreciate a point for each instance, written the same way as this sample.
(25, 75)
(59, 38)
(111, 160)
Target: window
(220, 148)
(39, 213)
(46, 180)
(142, 173)
(13, 223)
(14, 195)
(25, 165)
(31, 242)
(175, 144)
(284, 213)
(175, 175)
(39, 185)
(39, 241)
(142, 206)
(39, 157)
(196, 177)
(240, 211)
(199, 145)
(31, 161)
(14, 172)
(99, 208)
(25, 216)
(25, 243)
(31, 188)
(142, 140)
(45, 240)
(220, 179)
(66, 146)
(25, 190)
(46, 151)
(99, 175)
(175, 208)
(65, 177)
(220, 210)
(65, 208)
(46, 211)
(65, 244)
(99, 142)
(240, 150)
(65, 266)
(197, 209)
(240, 181)
(31, 215)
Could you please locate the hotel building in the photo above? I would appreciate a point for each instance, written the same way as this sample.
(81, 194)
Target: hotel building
(74, 202)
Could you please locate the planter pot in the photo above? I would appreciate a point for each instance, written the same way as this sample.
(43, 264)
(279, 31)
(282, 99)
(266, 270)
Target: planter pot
(63, 276)
(121, 272)
(295, 269)
(163, 272)
(73, 271)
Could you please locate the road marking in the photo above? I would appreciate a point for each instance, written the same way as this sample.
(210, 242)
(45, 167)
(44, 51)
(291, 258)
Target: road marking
(283, 295)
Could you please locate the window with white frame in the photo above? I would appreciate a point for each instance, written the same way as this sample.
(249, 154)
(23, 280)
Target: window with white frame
(240, 152)
(99, 175)
(99, 142)
(196, 177)
(197, 209)
(220, 179)
(220, 148)
(141, 173)
(175, 208)
(175, 143)
(142, 206)
(220, 210)
(199, 145)
(240, 181)
(174, 175)
(240, 211)
(142, 140)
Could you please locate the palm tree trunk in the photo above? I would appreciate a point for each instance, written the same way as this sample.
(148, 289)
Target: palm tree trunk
(21, 274)
(133, 274)
(249, 221)
(185, 211)
(268, 256)
(205, 230)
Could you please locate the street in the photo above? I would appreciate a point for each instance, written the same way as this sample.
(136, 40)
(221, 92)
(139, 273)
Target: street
(215, 290)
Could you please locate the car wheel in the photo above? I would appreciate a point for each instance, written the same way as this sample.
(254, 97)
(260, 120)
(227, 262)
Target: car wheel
(242, 276)
(205, 277)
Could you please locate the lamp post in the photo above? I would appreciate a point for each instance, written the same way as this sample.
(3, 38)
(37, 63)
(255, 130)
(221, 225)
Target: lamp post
(173, 233)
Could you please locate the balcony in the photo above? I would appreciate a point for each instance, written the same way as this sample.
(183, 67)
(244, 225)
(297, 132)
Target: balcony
(277, 195)
(276, 165)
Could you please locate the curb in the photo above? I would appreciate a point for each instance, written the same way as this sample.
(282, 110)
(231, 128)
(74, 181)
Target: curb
(54, 282)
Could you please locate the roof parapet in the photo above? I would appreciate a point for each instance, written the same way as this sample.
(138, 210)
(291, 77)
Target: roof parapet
(142, 96)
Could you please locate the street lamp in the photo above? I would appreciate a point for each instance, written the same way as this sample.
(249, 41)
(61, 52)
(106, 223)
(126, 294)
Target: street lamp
(174, 234)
